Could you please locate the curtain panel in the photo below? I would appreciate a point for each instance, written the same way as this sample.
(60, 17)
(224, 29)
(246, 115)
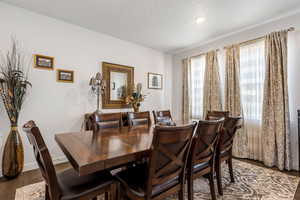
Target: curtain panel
(275, 117)
(232, 81)
(252, 75)
(233, 98)
(186, 100)
(212, 91)
(197, 82)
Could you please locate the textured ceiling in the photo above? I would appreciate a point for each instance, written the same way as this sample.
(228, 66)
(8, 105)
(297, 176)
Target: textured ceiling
(166, 25)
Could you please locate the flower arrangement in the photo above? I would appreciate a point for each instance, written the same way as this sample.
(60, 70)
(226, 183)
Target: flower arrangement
(136, 98)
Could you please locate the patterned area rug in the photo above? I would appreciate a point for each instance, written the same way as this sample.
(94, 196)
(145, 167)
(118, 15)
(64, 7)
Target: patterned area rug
(252, 183)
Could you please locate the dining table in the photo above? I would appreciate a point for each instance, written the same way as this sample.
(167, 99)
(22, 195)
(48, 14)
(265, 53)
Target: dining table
(92, 151)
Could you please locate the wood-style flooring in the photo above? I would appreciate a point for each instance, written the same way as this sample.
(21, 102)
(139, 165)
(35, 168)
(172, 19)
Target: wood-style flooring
(8, 187)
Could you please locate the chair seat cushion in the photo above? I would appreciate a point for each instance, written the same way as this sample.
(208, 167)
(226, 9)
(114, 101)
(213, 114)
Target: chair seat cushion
(74, 186)
(224, 153)
(199, 167)
(140, 121)
(165, 121)
(134, 179)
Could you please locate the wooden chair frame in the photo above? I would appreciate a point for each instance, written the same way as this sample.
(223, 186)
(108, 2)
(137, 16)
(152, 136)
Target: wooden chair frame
(161, 113)
(159, 173)
(133, 118)
(44, 160)
(224, 148)
(206, 156)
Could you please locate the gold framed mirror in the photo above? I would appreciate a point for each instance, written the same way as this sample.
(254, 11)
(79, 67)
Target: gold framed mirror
(119, 79)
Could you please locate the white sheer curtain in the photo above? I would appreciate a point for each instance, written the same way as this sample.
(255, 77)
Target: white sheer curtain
(252, 74)
(197, 82)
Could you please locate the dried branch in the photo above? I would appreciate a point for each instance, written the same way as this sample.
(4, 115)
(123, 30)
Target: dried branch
(13, 81)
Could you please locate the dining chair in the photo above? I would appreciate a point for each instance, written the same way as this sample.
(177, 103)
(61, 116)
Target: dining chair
(211, 115)
(67, 185)
(139, 119)
(224, 148)
(164, 173)
(202, 154)
(106, 120)
(162, 116)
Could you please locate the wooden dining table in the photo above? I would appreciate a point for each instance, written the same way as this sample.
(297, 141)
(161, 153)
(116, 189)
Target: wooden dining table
(89, 151)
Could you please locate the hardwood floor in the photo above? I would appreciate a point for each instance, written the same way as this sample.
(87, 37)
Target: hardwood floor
(8, 187)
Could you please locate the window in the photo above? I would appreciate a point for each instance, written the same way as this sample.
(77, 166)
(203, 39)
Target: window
(252, 74)
(197, 82)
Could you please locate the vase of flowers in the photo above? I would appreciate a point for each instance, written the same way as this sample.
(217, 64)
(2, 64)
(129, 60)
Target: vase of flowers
(136, 98)
(13, 88)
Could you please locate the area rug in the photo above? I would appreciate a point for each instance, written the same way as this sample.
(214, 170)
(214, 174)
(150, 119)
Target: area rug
(252, 183)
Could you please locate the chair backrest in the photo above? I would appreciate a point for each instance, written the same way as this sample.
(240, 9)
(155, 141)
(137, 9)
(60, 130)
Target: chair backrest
(231, 125)
(162, 116)
(43, 158)
(214, 115)
(170, 147)
(136, 119)
(106, 120)
(205, 142)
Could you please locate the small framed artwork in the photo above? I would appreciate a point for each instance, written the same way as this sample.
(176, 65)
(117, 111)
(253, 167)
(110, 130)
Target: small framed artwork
(66, 76)
(155, 81)
(43, 62)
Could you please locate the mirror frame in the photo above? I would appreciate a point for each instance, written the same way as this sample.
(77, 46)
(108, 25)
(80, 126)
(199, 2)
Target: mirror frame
(107, 68)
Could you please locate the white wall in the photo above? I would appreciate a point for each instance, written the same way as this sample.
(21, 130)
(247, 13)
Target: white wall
(293, 66)
(59, 107)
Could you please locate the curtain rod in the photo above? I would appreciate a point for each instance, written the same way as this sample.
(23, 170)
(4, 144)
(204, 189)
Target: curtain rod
(256, 39)
(201, 54)
(241, 43)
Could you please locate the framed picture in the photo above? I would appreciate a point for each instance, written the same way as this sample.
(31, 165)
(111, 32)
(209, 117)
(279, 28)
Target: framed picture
(66, 76)
(43, 62)
(155, 81)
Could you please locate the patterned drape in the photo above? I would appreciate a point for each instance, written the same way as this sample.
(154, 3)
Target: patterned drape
(232, 81)
(186, 105)
(212, 90)
(233, 97)
(275, 118)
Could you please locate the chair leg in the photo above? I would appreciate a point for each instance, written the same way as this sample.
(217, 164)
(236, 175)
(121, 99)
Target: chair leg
(190, 187)
(230, 169)
(219, 179)
(120, 192)
(114, 192)
(181, 194)
(47, 196)
(106, 196)
(212, 186)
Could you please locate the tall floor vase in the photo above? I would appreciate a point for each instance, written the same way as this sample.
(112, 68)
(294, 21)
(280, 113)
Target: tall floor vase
(13, 155)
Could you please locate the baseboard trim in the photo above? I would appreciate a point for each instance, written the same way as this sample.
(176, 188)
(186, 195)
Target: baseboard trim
(34, 165)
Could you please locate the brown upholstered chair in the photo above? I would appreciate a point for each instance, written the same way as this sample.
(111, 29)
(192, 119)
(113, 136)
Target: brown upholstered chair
(162, 116)
(164, 173)
(211, 115)
(202, 154)
(106, 120)
(139, 119)
(67, 185)
(224, 148)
